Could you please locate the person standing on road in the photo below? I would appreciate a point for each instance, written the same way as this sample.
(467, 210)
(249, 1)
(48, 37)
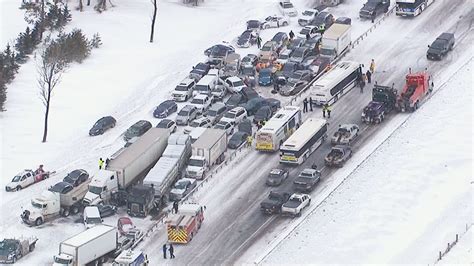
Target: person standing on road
(292, 35)
(175, 207)
(164, 251)
(308, 36)
(369, 76)
(324, 110)
(171, 249)
(328, 109)
(372, 66)
(249, 141)
(259, 42)
(362, 83)
(101, 163)
(305, 105)
(310, 104)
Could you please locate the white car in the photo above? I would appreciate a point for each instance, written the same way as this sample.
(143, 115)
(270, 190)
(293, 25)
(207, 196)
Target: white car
(199, 122)
(184, 90)
(287, 9)
(307, 16)
(181, 188)
(345, 134)
(284, 56)
(167, 123)
(202, 102)
(274, 22)
(296, 204)
(235, 115)
(225, 125)
(234, 84)
(313, 31)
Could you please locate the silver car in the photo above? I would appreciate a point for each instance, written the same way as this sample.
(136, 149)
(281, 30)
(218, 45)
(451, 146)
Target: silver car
(187, 114)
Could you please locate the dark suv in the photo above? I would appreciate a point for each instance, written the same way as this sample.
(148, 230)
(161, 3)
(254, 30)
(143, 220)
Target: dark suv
(441, 46)
(76, 177)
(323, 21)
(137, 129)
(374, 7)
(102, 125)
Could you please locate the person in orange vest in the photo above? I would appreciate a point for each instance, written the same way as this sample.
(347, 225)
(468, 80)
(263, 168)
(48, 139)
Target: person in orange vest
(372, 66)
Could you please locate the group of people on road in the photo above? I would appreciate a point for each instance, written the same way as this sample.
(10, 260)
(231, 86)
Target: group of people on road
(260, 124)
(367, 76)
(102, 163)
(305, 105)
(170, 249)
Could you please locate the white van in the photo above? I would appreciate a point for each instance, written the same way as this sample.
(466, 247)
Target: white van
(206, 84)
(92, 216)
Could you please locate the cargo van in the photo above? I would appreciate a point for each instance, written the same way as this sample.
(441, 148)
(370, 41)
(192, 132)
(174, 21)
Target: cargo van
(206, 84)
(92, 216)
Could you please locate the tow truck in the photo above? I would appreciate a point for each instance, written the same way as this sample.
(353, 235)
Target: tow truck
(185, 224)
(13, 249)
(26, 178)
(417, 87)
(338, 155)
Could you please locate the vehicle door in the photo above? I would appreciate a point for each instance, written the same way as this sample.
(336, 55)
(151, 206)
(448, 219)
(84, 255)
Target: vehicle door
(27, 179)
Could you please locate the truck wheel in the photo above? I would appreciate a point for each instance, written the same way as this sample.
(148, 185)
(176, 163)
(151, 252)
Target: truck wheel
(75, 209)
(18, 188)
(14, 259)
(66, 212)
(39, 222)
(284, 23)
(32, 247)
(309, 202)
(298, 214)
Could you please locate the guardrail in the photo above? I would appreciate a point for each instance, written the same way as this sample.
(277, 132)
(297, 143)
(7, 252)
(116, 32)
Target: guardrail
(245, 147)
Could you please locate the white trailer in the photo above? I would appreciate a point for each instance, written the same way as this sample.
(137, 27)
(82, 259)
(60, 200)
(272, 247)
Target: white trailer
(335, 40)
(208, 150)
(94, 244)
(163, 175)
(128, 166)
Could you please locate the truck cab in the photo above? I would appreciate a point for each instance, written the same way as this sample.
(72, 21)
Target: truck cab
(42, 207)
(197, 166)
(101, 188)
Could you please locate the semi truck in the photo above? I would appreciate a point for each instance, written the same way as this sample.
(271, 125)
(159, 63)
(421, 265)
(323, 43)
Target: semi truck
(383, 102)
(127, 167)
(51, 204)
(161, 177)
(92, 245)
(208, 150)
(13, 249)
(335, 40)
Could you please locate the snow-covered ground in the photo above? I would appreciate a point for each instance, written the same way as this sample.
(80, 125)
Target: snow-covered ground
(407, 200)
(11, 21)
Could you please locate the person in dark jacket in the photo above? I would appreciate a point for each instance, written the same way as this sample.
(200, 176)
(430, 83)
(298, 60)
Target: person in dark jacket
(275, 86)
(164, 251)
(175, 207)
(292, 35)
(259, 42)
(305, 105)
(308, 36)
(310, 104)
(369, 76)
(171, 249)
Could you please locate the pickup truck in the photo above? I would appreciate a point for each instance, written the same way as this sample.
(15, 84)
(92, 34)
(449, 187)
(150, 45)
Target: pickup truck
(273, 203)
(296, 204)
(338, 155)
(345, 134)
(307, 180)
(441, 46)
(13, 249)
(26, 178)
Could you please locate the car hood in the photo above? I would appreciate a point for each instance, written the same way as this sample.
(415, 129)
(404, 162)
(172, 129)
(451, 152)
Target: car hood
(269, 203)
(177, 191)
(432, 50)
(368, 8)
(302, 181)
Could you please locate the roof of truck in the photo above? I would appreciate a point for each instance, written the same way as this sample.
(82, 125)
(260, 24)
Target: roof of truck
(336, 30)
(88, 235)
(174, 151)
(209, 137)
(143, 143)
(178, 139)
(160, 171)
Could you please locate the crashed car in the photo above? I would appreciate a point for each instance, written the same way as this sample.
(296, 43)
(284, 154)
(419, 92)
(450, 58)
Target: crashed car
(274, 22)
(246, 39)
(276, 177)
(295, 205)
(338, 155)
(346, 134)
(273, 203)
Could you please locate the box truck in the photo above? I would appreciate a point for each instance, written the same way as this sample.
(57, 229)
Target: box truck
(335, 40)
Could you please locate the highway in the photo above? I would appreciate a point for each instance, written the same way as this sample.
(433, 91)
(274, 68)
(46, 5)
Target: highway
(397, 44)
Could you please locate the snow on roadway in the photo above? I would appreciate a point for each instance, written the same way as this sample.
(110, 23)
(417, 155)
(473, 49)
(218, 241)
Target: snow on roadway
(408, 211)
(461, 252)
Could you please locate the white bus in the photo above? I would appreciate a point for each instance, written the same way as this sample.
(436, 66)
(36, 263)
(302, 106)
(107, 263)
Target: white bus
(272, 135)
(411, 8)
(335, 83)
(304, 141)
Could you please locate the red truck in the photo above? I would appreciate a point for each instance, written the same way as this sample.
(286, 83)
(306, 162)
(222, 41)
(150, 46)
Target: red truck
(185, 224)
(417, 87)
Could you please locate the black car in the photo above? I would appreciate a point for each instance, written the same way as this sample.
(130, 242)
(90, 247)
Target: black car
(319, 64)
(167, 123)
(220, 50)
(313, 44)
(76, 177)
(441, 46)
(253, 25)
(323, 21)
(106, 210)
(276, 177)
(199, 71)
(249, 93)
(165, 108)
(275, 104)
(274, 202)
(306, 75)
(281, 38)
(245, 126)
(102, 125)
(253, 105)
(246, 39)
(237, 139)
(374, 7)
(137, 129)
(61, 187)
(235, 100)
(288, 69)
(264, 113)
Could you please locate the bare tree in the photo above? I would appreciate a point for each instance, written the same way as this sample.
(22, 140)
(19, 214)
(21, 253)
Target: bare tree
(153, 20)
(50, 68)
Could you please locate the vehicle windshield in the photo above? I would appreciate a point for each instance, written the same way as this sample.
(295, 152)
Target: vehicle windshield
(95, 190)
(246, 59)
(229, 115)
(202, 88)
(133, 130)
(16, 178)
(247, 71)
(62, 261)
(287, 5)
(438, 44)
(181, 88)
(181, 185)
(183, 113)
(218, 51)
(238, 83)
(308, 13)
(197, 101)
(295, 200)
(194, 162)
(325, 51)
(212, 113)
(274, 176)
(267, 48)
(220, 126)
(284, 56)
(37, 205)
(305, 31)
(298, 53)
(273, 197)
(93, 220)
(288, 67)
(306, 175)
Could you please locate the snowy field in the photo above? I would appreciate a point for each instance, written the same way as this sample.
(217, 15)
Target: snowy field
(402, 205)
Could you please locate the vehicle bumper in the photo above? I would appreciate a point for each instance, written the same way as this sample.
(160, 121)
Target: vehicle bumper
(7, 188)
(6, 260)
(179, 98)
(181, 123)
(433, 57)
(365, 15)
(303, 188)
(289, 213)
(268, 211)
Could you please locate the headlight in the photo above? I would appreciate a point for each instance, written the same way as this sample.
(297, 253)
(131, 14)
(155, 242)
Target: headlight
(10, 256)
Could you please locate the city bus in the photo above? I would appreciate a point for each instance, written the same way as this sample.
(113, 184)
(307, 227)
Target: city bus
(411, 8)
(272, 135)
(304, 141)
(339, 80)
